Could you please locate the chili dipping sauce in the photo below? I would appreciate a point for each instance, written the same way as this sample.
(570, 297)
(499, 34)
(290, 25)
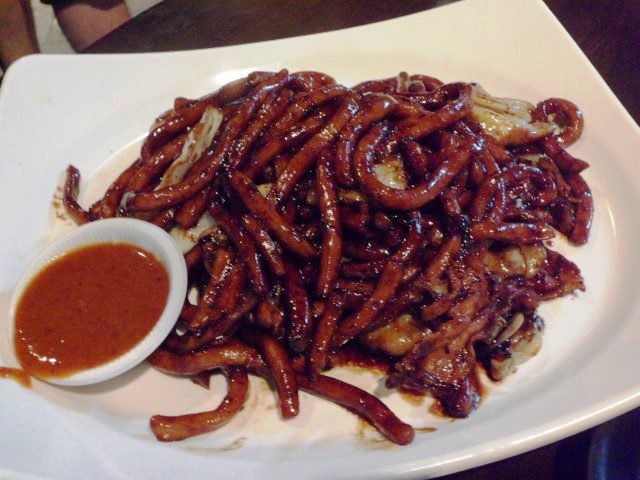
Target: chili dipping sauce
(88, 307)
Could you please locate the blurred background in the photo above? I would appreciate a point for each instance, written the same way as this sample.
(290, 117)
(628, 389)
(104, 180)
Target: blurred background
(48, 31)
(59, 26)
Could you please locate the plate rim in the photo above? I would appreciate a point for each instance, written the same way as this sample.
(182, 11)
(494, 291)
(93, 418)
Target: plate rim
(583, 419)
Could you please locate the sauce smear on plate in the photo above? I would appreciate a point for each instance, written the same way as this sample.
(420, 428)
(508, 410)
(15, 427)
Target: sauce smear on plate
(16, 374)
(88, 307)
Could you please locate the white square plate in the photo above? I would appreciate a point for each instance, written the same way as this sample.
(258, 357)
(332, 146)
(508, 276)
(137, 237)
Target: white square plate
(85, 110)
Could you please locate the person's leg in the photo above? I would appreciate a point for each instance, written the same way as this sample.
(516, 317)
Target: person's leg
(17, 33)
(84, 22)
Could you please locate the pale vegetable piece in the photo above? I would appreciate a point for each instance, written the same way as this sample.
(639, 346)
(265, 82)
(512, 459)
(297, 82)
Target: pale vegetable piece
(264, 188)
(506, 263)
(524, 260)
(397, 337)
(439, 286)
(507, 120)
(391, 173)
(187, 238)
(532, 157)
(523, 344)
(507, 106)
(199, 139)
(512, 327)
(351, 197)
(534, 255)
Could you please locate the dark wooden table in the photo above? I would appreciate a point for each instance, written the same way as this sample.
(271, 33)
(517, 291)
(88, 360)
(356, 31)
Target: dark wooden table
(608, 31)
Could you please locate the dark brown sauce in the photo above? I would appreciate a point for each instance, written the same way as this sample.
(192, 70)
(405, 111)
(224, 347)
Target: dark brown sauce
(16, 374)
(370, 439)
(87, 308)
(437, 410)
(411, 397)
(426, 430)
(358, 357)
(234, 445)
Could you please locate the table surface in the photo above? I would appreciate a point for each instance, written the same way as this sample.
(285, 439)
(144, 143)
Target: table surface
(607, 32)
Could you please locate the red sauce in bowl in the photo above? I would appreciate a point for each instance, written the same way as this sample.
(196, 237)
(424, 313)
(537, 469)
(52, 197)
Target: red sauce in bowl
(87, 308)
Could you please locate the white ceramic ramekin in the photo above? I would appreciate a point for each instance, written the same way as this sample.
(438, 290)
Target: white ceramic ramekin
(117, 230)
